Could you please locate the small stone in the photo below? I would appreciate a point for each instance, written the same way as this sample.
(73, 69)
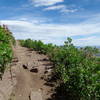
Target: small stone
(35, 70)
(25, 66)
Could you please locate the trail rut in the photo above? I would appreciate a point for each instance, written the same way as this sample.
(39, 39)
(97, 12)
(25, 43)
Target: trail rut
(30, 85)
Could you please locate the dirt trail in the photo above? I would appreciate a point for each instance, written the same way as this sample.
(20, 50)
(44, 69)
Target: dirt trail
(29, 71)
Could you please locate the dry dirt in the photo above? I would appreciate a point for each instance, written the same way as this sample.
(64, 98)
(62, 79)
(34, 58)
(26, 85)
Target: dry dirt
(29, 69)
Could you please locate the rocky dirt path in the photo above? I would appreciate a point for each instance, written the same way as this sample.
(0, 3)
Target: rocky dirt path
(30, 70)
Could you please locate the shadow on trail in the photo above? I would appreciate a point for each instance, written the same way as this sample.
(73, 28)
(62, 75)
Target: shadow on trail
(45, 59)
(58, 91)
(60, 94)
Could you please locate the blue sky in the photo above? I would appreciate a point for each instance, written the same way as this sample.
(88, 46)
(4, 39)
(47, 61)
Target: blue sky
(52, 21)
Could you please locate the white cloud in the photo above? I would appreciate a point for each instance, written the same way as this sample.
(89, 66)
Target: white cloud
(50, 5)
(68, 10)
(55, 7)
(55, 33)
(61, 8)
(88, 41)
(46, 2)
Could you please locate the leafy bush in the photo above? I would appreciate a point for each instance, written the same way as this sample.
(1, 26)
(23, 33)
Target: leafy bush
(37, 45)
(78, 70)
(6, 53)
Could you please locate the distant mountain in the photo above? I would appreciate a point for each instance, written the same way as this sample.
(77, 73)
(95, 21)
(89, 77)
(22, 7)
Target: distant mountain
(98, 55)
(98, 47)
(90, 46)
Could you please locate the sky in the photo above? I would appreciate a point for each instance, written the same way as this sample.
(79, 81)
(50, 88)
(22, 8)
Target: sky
(52, 21)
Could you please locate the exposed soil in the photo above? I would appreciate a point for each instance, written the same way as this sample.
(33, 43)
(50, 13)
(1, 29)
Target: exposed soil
(27, 80)
(31, 69)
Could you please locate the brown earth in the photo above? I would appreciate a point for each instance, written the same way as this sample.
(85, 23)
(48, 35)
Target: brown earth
(29, 71)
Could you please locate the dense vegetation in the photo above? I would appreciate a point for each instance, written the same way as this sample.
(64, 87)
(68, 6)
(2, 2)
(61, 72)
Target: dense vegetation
(78, 70)
(6, 53)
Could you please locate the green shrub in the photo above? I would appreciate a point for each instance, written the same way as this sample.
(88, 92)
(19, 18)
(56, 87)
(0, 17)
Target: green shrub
(6, 53)
(78, 70)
